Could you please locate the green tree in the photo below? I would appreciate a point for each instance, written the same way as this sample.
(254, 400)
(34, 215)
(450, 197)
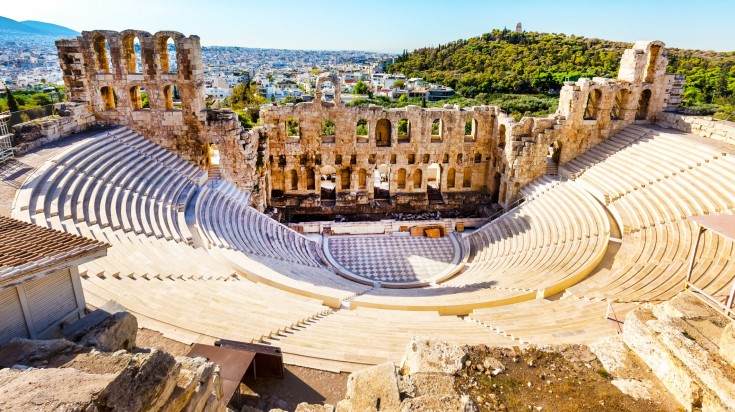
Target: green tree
(399, 84)
(360, 88)
(12, 103)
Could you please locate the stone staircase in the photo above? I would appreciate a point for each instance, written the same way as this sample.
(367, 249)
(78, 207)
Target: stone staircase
(690, 347)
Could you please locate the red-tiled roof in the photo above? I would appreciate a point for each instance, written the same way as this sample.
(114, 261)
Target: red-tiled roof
(26, 248)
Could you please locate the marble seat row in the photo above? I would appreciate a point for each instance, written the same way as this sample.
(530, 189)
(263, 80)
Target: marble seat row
(235, 309)
(116, 179)
(526, 252)
(348, 340)
(226, 220)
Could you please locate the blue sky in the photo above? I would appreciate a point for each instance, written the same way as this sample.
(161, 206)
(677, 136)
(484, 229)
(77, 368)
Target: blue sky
(395, 25)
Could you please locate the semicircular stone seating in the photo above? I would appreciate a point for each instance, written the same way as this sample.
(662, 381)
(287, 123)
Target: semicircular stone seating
(532, 275)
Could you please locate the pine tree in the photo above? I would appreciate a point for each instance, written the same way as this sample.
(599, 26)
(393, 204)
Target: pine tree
(12, 104)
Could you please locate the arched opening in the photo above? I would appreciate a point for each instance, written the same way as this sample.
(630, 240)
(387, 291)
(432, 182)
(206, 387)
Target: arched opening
(328, 178)
(501, 136)
(621, 102)
(553, 156)
(417, 178)
(501, 193)
(433, 182)
(102, 52)
(362, 129)
(382, 133)
(131, 54)
(167, 55)
(445, 159)
(277, 183)
(293, 180)
(136, 98)
(168, 97)
(478, 158)
(327, 131)
(459, 158)
(496, 188)
(293, 129)
(643, 103)
(467, 178)
(362, 179)
(345, 177)
(404, 131)
(381, 182)
(213, 161)
(310, 180)
(109, 98)
(653, 54)
(593, 104)
(401, 181)
(470, 129)
(436, 130)
(451, 176)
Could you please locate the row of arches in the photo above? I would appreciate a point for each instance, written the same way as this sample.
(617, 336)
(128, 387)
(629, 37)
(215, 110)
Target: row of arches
(620, 104)
(132, 55)
(380, 177)
(139, 97)
(383, 130)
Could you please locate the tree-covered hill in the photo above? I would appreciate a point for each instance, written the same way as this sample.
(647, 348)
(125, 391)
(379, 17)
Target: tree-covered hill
(503, 61)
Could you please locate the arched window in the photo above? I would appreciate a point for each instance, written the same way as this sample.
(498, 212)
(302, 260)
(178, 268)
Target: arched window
(136, 99)
(417, 178)
(470, 129)
(451, 175)
(501, 136)
(292, 127)
(404, 131)
(327, 183)
(383, 133)
(310, 181)
(346, 178)
(496, 188)
(168, 97)
(643, 103)
(436, 130)
(167, 55)
(277, 182)
(467, 177)
(327, 131)
(294, 180)
(459, 158)
(109, 98)
(362, 179)
(381, 182)
(621, 102)
(446, 158)
(593, 102)
(361, 131)
(102, 52)
(401, 183)
(478, 158)
(131, 54)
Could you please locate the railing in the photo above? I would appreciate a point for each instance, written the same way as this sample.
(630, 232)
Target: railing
(614, 317)
(725, 309)
(511, 207)
(27, 115)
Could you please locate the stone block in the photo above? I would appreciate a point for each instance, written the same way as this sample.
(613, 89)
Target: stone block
(371, 389)
(113, 333)
(727, 344)
(428, 355)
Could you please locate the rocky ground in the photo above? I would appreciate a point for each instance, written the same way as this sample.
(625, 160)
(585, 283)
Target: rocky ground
(561, 378)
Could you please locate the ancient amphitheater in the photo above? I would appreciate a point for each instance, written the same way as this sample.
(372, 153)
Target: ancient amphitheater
(595, 203)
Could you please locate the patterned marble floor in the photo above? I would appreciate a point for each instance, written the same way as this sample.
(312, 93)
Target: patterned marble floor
(393, 259)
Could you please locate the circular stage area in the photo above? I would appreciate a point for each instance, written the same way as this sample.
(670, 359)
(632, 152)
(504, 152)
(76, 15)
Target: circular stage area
(398, 261)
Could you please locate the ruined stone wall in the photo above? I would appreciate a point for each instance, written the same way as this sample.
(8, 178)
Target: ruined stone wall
(708, 127)
(590, 111)
(104, 72)
(293, 159)
(69, 118)
(100, 68)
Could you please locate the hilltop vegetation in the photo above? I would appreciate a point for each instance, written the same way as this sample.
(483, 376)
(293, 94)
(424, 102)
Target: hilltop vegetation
(538, 63)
